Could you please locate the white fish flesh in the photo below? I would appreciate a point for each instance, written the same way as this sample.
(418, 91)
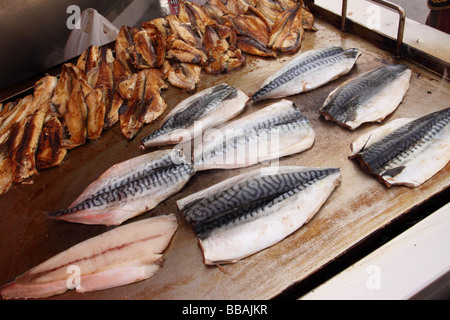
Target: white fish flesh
(307, 71)
(130, 188)
(369, 97)
(253, 211)
(270, 133)
(207, 109)
(124, 255)
(406, 151)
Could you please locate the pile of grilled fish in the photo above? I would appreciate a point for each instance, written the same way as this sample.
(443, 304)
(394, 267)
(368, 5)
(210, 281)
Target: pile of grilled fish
(105, 87)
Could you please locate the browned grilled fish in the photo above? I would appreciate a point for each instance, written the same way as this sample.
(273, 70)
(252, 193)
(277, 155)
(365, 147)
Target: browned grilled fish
(7, 156)
(124, 45)
(26, 153)
(220, 43)
(184, 43)
(89, 59)
(74, 121)
(14, 112)
(50, 152)
(145, 105)
(185, 76)
(69, 75)
(287, 32)
(253, 34)
(194, 14)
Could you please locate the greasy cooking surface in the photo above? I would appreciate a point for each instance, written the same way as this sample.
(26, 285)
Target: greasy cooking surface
(358, 207)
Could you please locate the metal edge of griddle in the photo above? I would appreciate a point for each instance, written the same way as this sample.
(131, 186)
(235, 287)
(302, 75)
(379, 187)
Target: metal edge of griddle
(407, 52)
(366, 245)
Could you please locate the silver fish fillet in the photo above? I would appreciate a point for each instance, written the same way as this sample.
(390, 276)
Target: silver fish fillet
(130, 188)
(207, 109)
(307, 71)
(369, 97)
(270, 133)
(253, 211)
(124, 255)
(405, 151)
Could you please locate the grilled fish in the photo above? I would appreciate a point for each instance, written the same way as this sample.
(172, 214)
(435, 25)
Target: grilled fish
(182, 75)
(220, 45)
(307, 71)
(253, 211)
(129, 189)
(209, 108)
(146, 104)
(270, 133)
(287, 32)
(19, 110)
(8, 156)
(41, 105)
(406, 151)
(75, 118)
(121, 256)
(253, 34)
(369, 97)
(50, 152)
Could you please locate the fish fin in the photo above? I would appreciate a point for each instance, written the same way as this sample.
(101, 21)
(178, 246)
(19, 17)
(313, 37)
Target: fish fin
(394, 171)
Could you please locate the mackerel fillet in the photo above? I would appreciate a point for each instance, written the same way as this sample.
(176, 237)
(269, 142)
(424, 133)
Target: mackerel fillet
(124, 255)
(129, 189)
(207, 109)
(253, 211)
(369, 97)
(406, 151)
(278, 130)
(307, 71)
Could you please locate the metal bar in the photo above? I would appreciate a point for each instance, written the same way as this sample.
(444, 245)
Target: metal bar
(401, 23)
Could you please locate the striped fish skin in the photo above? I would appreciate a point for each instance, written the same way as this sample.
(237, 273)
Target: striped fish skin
(253, 211)
(129, 189)
(278, 130)
(118, 257)
(406, 151)
(369, 97)
(211, 107)
(307, 71)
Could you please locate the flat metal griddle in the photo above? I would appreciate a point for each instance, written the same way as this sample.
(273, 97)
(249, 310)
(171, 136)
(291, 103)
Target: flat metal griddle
(359, 207)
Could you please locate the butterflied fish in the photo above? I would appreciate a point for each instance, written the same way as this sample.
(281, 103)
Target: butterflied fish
(270, 133)
(253, 34)
(121, 256)
(209, 108)
(146, 104)
(307, 71)
(369, 97)
(129, 189)
(287, 32)
(8, 152)
(220, 44)
(41, 104)
(182, 75)
(253, 211)
(50, 152)
(406, 151)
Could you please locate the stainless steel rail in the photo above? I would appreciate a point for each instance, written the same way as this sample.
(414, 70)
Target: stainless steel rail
(401, 23)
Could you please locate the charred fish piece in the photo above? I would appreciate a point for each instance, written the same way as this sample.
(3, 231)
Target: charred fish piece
(405, 151)
(209, 107)
(129, 189)
(270, 133)
(121, 256)
(253, 211)
(307, 71)
(369, 97)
